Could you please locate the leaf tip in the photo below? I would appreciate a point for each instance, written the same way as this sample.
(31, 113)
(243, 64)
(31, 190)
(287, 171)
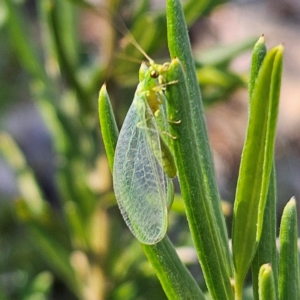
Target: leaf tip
(103, 89)
(261, 40)
(265, 269)
(103, 95)
(292, 201)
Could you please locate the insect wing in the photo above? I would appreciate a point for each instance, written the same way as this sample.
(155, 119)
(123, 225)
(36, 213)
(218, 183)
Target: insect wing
(140, 184)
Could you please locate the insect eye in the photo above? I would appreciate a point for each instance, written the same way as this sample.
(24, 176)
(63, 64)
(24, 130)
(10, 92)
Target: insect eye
(154, 74)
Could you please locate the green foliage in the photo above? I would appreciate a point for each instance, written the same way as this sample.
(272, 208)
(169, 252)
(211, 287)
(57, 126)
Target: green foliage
(266, 283)
(256, 164)
(289, 286)
(84, 243)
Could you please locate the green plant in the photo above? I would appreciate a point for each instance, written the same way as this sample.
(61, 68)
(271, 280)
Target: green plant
(75, 241)
(254, 237)
(84, 243)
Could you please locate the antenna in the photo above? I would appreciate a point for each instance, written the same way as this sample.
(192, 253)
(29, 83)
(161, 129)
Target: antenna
(121, 27)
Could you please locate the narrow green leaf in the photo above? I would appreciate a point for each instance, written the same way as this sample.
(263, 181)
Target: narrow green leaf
(256, 163)
(175, 279)
(270, 129)
(288, 261)
(179, 46)
(200, 214)
(258, 54)
(173, 275)
(266, 283)
(206, 194)
(27, 55)
(109, 129)
(266, 251)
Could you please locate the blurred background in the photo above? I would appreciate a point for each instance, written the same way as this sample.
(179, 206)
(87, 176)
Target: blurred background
(61, 235)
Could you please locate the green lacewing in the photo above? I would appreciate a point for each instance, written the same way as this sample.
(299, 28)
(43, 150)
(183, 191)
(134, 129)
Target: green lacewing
(143, 163)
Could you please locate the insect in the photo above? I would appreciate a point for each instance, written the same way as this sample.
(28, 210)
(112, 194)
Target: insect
(143, 163)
